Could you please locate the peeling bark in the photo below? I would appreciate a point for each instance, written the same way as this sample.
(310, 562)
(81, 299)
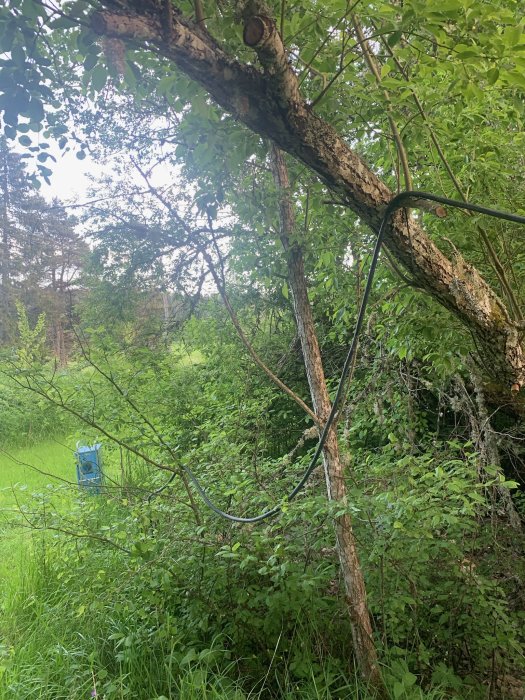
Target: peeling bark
(269, 103)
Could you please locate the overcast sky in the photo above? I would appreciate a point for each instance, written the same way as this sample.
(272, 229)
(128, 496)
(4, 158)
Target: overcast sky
(69, 180)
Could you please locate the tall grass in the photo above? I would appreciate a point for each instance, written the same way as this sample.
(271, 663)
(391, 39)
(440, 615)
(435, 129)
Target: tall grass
(65, 648)
(23, 472)
(80, 619)
(33, 467)
(67, 637)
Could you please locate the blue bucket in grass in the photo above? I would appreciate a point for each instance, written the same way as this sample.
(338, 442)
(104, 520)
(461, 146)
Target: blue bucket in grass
(89, 467)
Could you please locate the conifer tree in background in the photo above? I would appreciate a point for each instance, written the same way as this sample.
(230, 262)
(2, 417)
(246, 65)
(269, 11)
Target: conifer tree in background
(52, 284)
(16, 201)
(41, 256)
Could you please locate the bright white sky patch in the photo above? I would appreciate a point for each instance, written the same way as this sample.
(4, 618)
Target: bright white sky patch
(69, 181)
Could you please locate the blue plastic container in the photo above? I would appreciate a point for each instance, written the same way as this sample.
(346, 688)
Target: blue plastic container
(89, 467)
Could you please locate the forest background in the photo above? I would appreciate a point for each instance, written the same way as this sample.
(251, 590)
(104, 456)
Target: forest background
(194, 314)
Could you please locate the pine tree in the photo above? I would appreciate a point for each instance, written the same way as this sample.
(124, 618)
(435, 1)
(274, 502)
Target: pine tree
(56, 267)
(17, 204)
(41, 256)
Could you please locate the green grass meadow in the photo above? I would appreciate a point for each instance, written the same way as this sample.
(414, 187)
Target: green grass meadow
(25, 473)
(34, 467)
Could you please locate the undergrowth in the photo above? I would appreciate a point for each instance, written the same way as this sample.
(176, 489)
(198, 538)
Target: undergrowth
(121, 595)
(147, 605)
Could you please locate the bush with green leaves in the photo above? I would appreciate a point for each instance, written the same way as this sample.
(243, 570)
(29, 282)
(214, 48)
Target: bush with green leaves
(27, 419)
(429, 540)
(149, 597)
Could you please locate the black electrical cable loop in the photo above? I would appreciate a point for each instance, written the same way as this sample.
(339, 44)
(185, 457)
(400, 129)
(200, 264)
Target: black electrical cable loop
(161, 488)
(400, 200)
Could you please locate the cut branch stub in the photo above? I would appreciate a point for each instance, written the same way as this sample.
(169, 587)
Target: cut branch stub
(261, 34)
(257, 30)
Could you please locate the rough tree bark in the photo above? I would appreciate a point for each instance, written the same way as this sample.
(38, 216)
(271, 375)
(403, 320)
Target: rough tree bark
(364, 648)
(269, 102)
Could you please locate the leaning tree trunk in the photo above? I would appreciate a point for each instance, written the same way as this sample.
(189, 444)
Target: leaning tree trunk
(364, 647)
(270, 103)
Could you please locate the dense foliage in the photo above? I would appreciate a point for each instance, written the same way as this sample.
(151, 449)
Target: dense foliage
(181, 599)
(157, 325)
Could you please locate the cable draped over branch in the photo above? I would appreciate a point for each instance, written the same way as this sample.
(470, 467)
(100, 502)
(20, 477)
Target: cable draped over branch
(269, 102)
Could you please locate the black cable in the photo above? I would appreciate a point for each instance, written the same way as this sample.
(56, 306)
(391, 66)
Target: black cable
(161, 488)
(403, 198)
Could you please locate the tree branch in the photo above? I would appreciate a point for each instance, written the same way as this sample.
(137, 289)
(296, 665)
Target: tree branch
(271, 105)
(219, 283)
(375, 70)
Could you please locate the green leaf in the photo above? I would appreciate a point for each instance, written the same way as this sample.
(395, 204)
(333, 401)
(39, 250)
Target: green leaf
(90, 61)
(512, 36)
(467, 53)
(398, 690)
(99, 77)
(445, 6)
(18, 56)
(35, 110)
(515, 78)
(492, 76)
(409, 679)
(33, 10)
(129, 76)
(190, 656)
(62, 23)
(394, 38)
(385, 70)
(393, 83)
(78, 9)
(42, 157)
